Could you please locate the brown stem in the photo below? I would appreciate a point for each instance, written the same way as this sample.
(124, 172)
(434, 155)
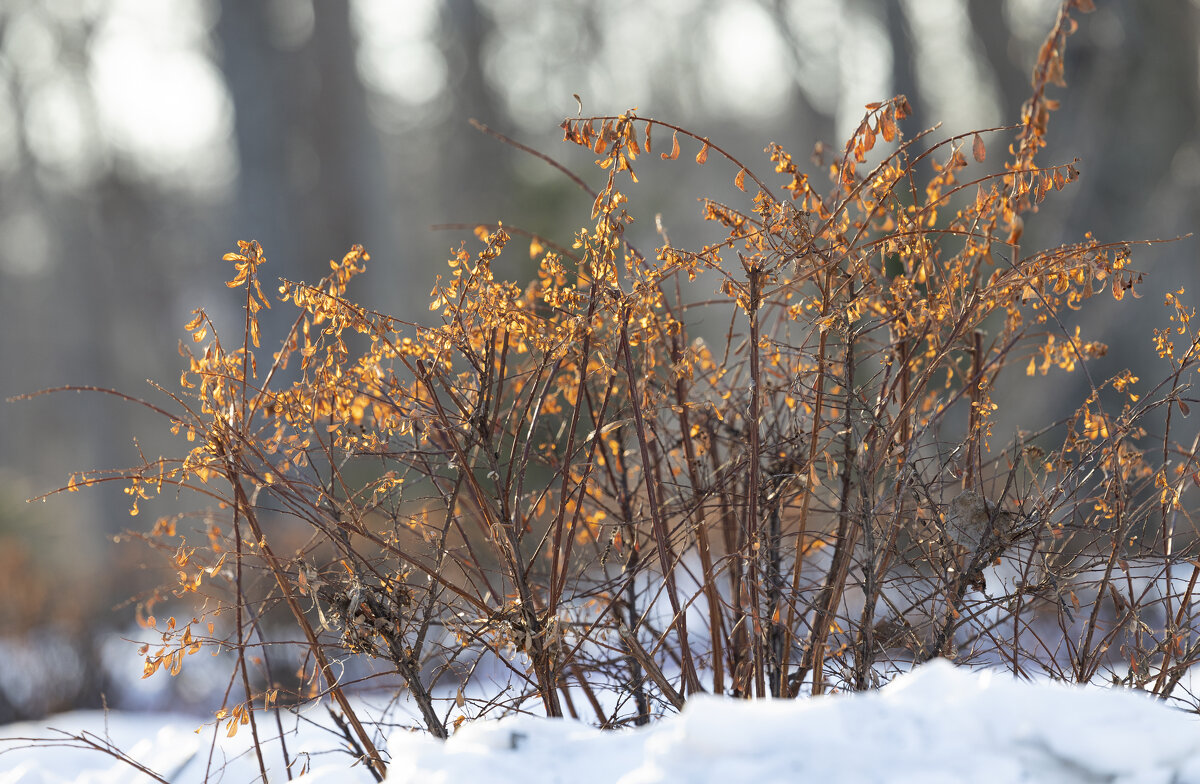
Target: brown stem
(847, 538)
(374, 760)
(662, 542)
(809, 487)
(754, 543)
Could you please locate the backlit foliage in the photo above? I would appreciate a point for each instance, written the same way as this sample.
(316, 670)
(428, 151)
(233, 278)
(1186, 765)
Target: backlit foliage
(561, 485)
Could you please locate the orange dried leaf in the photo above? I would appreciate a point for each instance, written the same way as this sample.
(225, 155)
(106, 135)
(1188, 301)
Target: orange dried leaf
(674, 148)
(740, 180)
(702, 156)
(632, 144)
(978, 150)
(887, 127)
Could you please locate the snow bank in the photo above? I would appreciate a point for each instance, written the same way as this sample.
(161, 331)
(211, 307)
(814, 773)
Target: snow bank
(938, 724)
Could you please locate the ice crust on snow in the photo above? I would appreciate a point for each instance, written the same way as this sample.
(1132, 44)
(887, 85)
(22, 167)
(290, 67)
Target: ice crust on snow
(937, 724)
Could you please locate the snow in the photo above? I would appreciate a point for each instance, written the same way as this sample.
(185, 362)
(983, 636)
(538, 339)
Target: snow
(937, 724)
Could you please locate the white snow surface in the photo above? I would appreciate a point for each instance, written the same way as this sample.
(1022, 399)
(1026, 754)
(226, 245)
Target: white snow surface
(937, 724)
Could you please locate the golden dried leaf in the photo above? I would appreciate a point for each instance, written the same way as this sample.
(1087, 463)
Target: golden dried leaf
(535, 248)
(978, 150)
(740, 180)
(702, 156)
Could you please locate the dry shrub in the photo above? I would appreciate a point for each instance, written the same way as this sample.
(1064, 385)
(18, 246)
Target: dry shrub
(556, 500)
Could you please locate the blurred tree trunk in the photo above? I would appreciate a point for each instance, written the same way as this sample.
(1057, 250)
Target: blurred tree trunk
(349, 203)
(904, 69)
(1127, 118)
(1133, 123)
(1129, 114)
(995, 38)
(477, 169)
(265, 86)
(814, 124)
(311, 177)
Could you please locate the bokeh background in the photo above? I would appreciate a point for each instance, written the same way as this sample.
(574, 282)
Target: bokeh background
(140, 139)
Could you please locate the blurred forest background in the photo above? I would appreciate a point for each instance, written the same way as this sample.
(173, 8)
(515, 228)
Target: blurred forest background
(140, 139)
